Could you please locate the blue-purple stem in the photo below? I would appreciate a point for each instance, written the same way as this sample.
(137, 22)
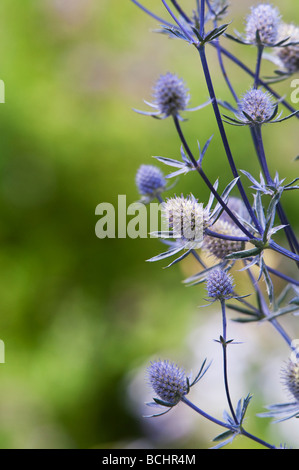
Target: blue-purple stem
(266, 312)
(206, 180)
(226, 145)
(224, 350)
(259, 146)
(225, 425)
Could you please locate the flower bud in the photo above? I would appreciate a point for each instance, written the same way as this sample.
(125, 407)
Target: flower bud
(150, 180)
(171, 95)
(168, 381)
(219, 285)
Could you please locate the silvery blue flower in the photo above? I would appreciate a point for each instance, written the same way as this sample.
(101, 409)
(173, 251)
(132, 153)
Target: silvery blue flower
(285, 411)
(255, 108)
(289, 54)
(170, 383)
(150, 182)
(262, 25)
(171, 97)
(219, 285)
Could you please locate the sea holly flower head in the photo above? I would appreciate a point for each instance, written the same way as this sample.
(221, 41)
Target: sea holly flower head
(219, 247)
(290, 376)
(288, 55)
(262, 25)
(170, 383)
(186, 219)
(171, 97)
(150, 182)
(220, 285)
(255, 108)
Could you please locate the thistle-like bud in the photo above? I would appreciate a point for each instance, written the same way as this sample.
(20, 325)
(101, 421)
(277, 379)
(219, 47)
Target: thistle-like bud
(219, 247)
(150, 181)
(256, 104)
(168, 381)
(220, 285)
(186, 219)
(290, 377)
(264, 21)
(289, 53)
(171, 95)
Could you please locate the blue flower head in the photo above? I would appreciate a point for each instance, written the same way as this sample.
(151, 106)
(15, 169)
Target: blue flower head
(289, 54)
(171, 95)
(256, 106)
(168, 381)
(290, 377)
(150, 181)
(219, 247)
(263, 23)
(220, 285)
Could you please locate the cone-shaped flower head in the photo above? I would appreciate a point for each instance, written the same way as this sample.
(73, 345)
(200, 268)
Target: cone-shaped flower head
(220, 285)
(219, 247)
(289, 53)
(168, 381)
(291, 378)
(257, 105)
(171, 95)
(150, 181)
(263, 20)
(186, 219)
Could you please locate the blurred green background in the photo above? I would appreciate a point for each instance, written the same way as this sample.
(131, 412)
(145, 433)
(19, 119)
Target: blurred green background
(81, 317)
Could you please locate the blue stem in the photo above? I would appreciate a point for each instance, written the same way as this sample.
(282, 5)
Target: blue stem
(206, 179)
(225, 425)
(224, 346)
(259, 146)
(234, 170)
(266, 312)
(148, 12)
(258, 66)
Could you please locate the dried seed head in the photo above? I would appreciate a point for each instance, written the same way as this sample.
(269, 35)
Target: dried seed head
(171, 95)
(264, 19)
(219, 247)
(168, 381)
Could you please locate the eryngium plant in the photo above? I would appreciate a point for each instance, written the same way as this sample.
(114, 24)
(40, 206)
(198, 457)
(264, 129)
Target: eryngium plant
(236, 230)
